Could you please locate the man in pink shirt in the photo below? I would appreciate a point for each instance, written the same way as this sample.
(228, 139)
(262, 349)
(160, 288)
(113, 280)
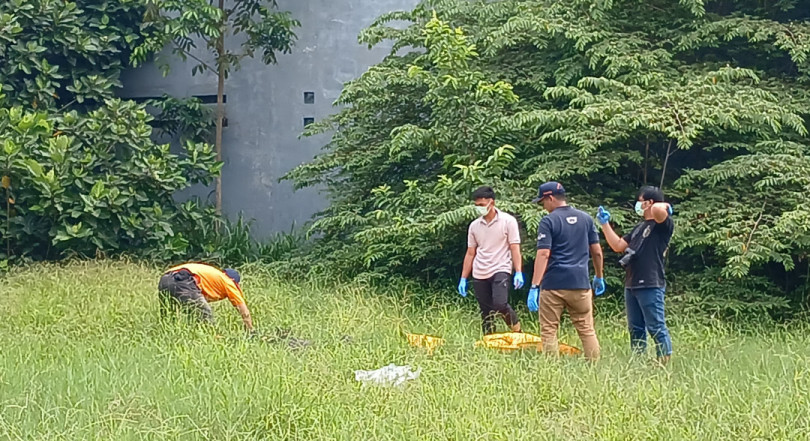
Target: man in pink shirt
(493, 249)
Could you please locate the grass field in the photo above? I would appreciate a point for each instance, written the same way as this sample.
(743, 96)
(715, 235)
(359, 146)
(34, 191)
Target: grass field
(82, 357)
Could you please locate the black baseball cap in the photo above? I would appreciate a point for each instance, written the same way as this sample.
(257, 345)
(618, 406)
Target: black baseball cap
(548, 189)
(233, 274)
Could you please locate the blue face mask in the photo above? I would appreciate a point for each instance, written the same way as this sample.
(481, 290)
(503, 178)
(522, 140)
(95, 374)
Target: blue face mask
(639, 210)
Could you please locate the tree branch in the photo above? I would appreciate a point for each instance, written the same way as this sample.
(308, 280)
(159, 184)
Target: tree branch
(66, 106)
(792, 35)
(194, 57)
(646, 159)
(678, 120)
(756, 224)
(666, 161)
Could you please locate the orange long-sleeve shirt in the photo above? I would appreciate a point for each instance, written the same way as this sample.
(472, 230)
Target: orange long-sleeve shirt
(214, 283)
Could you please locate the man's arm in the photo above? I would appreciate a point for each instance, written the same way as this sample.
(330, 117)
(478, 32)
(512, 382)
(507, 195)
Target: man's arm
(245, 312)
(466, 269)
(540, 263)
(517, 259)
(660, 211)
(513, 236)
(615, 242)
(544, 243)
(598, 260)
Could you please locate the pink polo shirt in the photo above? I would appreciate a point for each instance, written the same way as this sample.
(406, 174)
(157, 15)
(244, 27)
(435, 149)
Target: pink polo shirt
(491, 242)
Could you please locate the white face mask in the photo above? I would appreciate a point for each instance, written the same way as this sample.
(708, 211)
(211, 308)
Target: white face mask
(482, 210)
(639, 210)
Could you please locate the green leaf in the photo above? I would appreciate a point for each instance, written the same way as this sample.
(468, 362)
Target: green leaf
(34, 167)
(98, 190)
(10, 148)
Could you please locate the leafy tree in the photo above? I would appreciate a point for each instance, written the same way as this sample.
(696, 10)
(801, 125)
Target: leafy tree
(97, 184)
(80, 173)
(706, 99)
(180, 23)
(187, 119)
(66, 54)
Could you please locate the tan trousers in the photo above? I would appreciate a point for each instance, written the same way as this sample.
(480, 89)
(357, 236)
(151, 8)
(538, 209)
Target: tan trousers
(579, 304)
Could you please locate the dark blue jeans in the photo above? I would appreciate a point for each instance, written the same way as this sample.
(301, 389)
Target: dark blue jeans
(645, 313)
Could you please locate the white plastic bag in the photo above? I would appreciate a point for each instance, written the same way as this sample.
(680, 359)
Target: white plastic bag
(391, 375)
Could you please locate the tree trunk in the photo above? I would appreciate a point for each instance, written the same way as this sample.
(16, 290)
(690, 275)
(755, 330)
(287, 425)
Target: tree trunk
(666, 161)
(220, 102)
(646, 159)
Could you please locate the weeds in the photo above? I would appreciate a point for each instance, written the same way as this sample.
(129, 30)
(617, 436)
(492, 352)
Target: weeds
(82, 356)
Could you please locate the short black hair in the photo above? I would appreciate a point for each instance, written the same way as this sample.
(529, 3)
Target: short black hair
(648, 192)
(483, 193)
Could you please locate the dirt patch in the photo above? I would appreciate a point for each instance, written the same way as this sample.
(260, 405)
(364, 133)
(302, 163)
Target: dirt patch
(286, 337)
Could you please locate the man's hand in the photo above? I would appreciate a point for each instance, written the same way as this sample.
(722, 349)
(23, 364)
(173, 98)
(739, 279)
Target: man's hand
(598, 286)
(462, 287)
(661, 211)
(602, 215)
(531, 300)
(246, 319)
(518, 280)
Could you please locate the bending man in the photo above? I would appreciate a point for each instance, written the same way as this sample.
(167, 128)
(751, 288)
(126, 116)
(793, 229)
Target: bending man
(192, 286)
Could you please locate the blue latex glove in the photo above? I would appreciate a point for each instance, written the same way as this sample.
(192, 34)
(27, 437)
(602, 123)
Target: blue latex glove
(602, 215)
(462, 287)
(518, 280)
(598, 285)
(531, 301)
(669, 209)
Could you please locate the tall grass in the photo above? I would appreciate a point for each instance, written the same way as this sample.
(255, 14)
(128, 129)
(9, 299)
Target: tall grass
(82, 357)
(229, 242)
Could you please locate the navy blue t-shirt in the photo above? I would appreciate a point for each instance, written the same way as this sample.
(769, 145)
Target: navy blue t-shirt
(569, 234)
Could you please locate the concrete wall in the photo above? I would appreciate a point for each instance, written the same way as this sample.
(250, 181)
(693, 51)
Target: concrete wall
(266, 110)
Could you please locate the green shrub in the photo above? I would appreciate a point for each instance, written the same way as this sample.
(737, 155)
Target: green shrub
(711, 294)
(94, 183)
(81, 174)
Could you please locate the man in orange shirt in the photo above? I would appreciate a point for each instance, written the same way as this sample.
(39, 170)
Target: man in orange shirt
(192, 286)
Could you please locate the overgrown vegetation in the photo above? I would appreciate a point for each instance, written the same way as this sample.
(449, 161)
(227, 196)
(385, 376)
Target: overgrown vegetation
(84, 357)
(707, 99)
(82, 173)
(95, 182)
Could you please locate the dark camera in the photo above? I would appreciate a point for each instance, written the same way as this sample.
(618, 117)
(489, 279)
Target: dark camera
(628, 257)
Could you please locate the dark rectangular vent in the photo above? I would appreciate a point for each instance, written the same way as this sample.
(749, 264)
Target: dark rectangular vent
(205, 99)
(211, 99)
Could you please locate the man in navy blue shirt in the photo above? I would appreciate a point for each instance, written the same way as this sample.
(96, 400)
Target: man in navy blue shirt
(566, 240)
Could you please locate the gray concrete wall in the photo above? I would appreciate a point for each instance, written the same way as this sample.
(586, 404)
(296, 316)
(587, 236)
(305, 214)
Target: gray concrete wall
(266, 108)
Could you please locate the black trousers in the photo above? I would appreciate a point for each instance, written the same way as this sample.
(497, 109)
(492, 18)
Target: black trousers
(493, 299)
(178, 291)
